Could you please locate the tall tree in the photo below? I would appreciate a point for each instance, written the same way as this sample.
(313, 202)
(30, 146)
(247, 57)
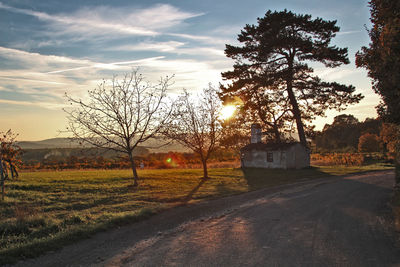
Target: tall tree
(382, 57)
(196, 124)
(121, 115)
(342, 135)
(382, 60)
(274, 58)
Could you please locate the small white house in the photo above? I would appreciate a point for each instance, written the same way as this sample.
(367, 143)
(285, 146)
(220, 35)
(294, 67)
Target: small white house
(273, 155)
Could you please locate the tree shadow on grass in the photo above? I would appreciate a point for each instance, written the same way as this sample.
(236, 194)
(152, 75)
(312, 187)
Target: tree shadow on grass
(190, 195)
(257, 178)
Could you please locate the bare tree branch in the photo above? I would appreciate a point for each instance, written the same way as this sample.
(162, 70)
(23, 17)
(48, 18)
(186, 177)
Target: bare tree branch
(121, 115)
(196, 123)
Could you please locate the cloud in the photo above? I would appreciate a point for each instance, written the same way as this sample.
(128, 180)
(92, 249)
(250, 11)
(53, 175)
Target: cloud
(335, 74)
(107, 66)
(48, 63)
(49, 76)
(347, 32)
(169, 46)
(109, 21)
(48, 105)
(172, 47)
(201, 38)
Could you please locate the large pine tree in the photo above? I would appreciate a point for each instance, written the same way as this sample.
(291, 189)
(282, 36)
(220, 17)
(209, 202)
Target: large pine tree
(272, 61)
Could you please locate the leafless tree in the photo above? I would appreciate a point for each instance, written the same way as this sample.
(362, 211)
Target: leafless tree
(121, 115)
(196, 125)
(10, 160)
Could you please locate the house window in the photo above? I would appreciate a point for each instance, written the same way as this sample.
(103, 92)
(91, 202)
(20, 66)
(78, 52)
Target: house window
(270, 157)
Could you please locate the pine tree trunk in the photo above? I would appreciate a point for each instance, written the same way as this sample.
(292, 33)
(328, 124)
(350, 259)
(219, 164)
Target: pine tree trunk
(297, 117)
(134, 172)
(277, 134)
(295, 107)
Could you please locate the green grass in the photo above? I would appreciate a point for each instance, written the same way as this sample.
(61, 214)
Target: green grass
(47, 210)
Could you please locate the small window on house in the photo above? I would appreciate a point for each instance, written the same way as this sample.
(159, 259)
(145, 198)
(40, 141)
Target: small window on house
(270, 157)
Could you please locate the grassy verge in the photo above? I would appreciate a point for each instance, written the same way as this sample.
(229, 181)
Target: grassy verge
(46, 210)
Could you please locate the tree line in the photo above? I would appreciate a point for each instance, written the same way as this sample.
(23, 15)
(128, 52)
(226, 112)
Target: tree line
(348, 134)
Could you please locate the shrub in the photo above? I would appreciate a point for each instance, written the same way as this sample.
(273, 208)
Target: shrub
(369, 143)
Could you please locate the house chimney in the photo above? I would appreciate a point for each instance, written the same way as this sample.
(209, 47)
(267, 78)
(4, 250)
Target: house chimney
(255, 133)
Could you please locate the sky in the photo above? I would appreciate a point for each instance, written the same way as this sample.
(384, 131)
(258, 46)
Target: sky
(49, 48)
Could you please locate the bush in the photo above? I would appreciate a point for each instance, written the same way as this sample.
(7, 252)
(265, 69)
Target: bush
(369, 143)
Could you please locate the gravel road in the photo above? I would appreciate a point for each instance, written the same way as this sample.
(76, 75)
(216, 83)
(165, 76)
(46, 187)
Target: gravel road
(326, 222)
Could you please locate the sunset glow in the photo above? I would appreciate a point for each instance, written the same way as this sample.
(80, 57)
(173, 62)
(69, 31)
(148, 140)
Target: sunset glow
(227, 112)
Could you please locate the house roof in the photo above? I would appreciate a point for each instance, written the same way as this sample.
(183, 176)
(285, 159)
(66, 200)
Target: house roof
(268, 146)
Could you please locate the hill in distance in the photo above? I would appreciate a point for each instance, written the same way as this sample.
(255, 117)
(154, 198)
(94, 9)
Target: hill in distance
(153, 145)
(49, 143)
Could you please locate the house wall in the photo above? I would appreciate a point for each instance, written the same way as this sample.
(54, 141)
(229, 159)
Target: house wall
(297, 157)
(294, 157)
(302, 157)
(291, 158)
(258, 159)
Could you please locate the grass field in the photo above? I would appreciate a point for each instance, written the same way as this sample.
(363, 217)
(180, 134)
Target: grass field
(46, 210)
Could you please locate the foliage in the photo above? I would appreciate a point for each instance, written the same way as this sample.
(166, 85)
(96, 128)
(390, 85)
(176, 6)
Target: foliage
(390, 136)
(10, 161)
(196, 125)
(122, 115)
(235, 132)
(382, 57)
(344, 133)
(369, 143)
(271, 75)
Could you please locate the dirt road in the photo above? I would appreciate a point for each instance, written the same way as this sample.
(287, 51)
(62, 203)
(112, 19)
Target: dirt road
(326, 222)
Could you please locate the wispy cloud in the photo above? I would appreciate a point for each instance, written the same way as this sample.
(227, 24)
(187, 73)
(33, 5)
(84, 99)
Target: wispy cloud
(169, 46)
(48, 63)
(107, 66)
(347, 32)
(48, 105)
(110, 21)
(51, 76)
(201, 38)
(334, 74)
(172, 47)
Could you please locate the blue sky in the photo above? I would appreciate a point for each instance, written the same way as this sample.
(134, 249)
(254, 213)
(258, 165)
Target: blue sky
(48, 48)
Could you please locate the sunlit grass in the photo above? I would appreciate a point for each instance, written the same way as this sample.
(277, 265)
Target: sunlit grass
(56, 208)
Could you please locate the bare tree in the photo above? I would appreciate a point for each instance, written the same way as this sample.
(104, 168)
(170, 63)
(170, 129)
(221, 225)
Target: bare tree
(196, 124)
(10, 160)
(121, 115)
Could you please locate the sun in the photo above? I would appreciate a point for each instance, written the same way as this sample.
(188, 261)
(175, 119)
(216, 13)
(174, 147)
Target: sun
(227, 112)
